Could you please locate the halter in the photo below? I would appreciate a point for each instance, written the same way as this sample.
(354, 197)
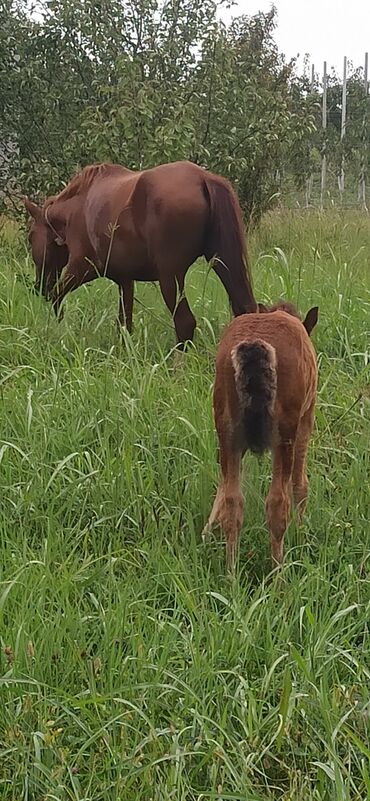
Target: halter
(58, 239)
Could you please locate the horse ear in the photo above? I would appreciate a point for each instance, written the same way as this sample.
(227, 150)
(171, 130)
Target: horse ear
(310, 319)
(262, 308)
(33, 210)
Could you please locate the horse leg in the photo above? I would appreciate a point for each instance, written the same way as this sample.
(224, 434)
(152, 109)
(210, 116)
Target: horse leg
(278, 500)
(228, 505)
(299, 477)
(183, 317)
(126, 299)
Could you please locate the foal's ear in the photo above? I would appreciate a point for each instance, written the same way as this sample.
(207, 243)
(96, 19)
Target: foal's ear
(310, 319)
(33, 210)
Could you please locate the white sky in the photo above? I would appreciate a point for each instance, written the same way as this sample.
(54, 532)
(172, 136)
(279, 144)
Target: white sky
(326, 29)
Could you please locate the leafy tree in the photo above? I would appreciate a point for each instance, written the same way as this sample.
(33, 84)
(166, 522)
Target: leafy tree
(149, 81)
(251, 116)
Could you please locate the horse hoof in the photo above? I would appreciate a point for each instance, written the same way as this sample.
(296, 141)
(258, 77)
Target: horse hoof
(206, 533)
(178, 358)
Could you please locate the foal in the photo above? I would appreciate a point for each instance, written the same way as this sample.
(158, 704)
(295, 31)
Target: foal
(263, 399)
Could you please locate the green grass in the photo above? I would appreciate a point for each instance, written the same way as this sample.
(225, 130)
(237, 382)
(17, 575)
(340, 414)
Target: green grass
(131, 667)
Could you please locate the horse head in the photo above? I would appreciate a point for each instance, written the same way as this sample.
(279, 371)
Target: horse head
(49, 250)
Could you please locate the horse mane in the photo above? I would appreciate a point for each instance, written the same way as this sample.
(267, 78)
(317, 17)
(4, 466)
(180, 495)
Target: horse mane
(282, 305)
(83, 180)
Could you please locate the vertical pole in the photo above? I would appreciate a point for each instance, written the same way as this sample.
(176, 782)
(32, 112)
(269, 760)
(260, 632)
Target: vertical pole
(343, 126)
(362, 181)
(324, 117)
(309, 181)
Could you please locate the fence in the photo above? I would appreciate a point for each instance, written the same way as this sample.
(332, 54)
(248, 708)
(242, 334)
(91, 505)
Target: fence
(356, 194)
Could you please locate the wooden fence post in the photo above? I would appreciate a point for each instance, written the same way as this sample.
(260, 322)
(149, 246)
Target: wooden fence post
(343, 127)
(362, 180)
(323, 152)
(309, 181)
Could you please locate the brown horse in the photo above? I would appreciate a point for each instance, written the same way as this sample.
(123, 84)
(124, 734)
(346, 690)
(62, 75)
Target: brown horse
(141, 226)
(264, 398)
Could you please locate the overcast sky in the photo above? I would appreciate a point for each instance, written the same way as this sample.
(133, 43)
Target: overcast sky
(326, 29)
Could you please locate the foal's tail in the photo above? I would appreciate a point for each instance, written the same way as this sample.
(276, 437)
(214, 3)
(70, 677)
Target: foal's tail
(225, 244)
(255, 378)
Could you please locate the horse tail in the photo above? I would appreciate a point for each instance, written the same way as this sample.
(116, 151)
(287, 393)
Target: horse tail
(255, 378)
(225, 244)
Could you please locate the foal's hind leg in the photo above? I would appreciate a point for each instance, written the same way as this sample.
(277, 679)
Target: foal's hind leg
(228, 505)
(214, 512)
(184, 320)
(278, 501)
(299, 477)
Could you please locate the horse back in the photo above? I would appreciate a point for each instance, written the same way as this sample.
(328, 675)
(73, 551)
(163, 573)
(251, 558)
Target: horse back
(295, 356)
(170, 211)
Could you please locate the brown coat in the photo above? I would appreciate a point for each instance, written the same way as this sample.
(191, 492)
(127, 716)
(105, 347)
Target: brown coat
(141, 226)
(264, 398)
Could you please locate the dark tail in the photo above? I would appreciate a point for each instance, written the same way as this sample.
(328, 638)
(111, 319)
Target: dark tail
(255, 378)
(225, 244)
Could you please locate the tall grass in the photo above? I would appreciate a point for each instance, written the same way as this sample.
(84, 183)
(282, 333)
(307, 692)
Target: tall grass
(131, 666)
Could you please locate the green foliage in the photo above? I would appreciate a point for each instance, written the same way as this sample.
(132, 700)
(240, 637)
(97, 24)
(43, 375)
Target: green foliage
(146, 82)
(150, 81)
(131, 667)
(252, 114)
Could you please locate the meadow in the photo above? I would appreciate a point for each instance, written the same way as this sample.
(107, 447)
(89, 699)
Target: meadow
(132, 667)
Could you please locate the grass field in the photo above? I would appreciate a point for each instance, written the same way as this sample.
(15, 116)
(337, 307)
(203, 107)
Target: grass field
(132, 668)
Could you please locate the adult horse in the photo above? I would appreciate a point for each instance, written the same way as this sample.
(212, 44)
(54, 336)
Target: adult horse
(141, 226)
